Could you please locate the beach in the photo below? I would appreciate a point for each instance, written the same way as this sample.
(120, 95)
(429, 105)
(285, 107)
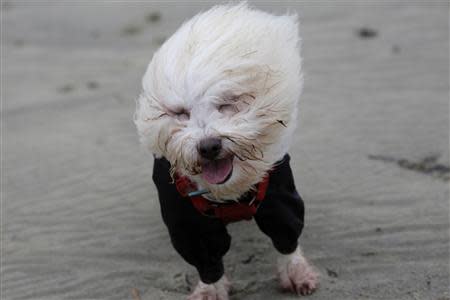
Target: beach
(80, 217)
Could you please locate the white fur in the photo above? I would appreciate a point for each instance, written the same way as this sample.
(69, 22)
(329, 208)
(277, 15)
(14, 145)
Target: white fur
(215, 291)
(229, 53)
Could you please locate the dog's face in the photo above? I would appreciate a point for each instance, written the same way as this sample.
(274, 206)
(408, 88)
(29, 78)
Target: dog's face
(219, 98)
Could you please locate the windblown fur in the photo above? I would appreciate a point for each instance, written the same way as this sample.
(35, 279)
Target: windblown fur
(231, 72)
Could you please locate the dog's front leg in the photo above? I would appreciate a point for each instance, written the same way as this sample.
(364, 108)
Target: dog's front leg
(202, 241)
(281, 217)
(296, 274)
(214, 291)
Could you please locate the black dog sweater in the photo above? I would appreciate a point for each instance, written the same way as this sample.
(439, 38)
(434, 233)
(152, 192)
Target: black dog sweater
(202, 240)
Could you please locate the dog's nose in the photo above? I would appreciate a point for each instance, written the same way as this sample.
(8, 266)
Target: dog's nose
(210, 148)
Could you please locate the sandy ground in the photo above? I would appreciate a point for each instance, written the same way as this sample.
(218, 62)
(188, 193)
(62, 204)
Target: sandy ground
(80, 218)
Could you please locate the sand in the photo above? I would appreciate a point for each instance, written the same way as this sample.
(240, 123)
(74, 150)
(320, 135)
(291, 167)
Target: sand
(80, 218)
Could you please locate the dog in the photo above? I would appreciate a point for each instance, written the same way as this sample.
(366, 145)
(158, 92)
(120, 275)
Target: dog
(218, 110)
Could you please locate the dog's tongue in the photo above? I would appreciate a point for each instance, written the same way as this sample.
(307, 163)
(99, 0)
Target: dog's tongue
(217, 171)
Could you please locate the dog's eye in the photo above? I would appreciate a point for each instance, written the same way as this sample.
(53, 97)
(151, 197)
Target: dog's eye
(182, 114)
(226, 108)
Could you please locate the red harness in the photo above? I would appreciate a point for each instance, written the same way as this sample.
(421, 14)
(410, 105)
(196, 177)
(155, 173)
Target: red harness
(227, 212)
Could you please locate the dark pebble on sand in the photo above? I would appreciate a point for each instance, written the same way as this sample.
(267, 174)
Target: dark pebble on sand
(248, 259)
(153, 17)
(92, 85)
(367, 33)
(332, 273)
(66, 88)
(131, 30)
(396, 49)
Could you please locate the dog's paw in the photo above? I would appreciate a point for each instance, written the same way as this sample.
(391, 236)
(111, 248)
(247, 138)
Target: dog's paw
(296, 274)
(215, 291)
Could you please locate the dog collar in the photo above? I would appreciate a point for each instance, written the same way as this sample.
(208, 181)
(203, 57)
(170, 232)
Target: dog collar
(244, 209)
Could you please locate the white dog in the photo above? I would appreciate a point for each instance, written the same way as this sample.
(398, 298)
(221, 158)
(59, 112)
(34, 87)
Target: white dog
(218, 110)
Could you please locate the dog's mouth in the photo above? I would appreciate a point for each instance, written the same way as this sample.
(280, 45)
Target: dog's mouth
(217, 171)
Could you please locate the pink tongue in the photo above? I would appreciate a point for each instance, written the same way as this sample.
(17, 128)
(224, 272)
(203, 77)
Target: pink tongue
(217, 171)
